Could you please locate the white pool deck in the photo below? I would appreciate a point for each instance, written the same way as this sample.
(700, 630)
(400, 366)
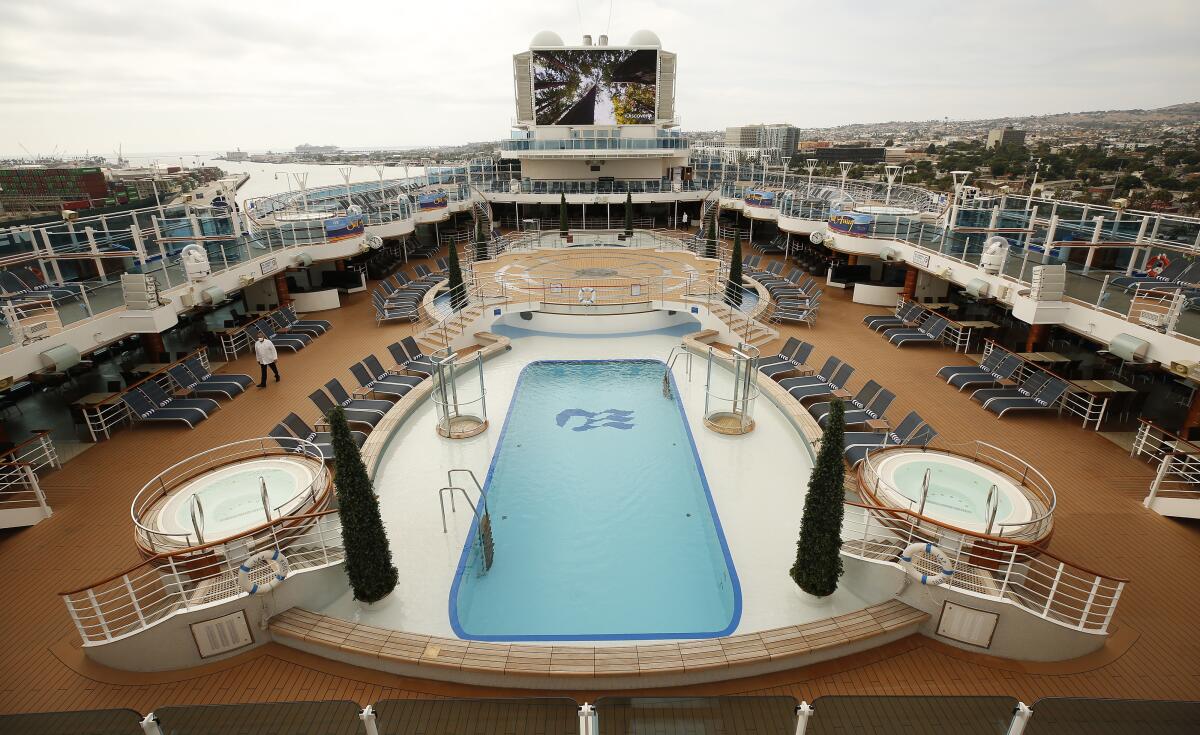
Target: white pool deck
(757, 482)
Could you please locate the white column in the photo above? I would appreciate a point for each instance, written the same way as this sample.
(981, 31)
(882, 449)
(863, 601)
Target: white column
(1087, 264)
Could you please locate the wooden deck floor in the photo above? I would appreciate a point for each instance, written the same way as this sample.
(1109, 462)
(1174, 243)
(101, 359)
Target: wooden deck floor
(1101, 524)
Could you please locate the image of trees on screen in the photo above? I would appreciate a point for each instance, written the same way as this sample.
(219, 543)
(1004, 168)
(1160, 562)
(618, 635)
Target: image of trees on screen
(594, 87)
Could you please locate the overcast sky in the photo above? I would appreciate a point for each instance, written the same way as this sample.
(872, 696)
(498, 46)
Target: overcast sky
(163, 75)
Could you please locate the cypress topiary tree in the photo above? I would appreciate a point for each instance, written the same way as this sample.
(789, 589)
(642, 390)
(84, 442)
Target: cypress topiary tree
(458, 294)
(818, 561)
(368, 555)
(481, 241)
(562, 215)
(733, 288)
(628, 214)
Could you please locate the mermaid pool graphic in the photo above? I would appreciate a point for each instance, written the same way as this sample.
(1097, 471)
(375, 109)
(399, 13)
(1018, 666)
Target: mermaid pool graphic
(611, 417)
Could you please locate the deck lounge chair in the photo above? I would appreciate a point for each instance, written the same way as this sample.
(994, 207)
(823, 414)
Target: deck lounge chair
(372, 364)
(143, 409)
(325, 405)
(289, 313)
(912, 431)
(283, 327)
(1003, 371)
(385, 312)
(798, 314)
(1042, 400)
(293, 342)
(343, 398)
(418, 361)
(873, 410)
(162, 399)
(389, 386)
(908, 314)
(983, 369)
(190, 383)
(293, 427)
(860, 400)
(795, 362)
(927, 333)
(1028, 387)
(836, 381)
(821, 376)
(205, 375)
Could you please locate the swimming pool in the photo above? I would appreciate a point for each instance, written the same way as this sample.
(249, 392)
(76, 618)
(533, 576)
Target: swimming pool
(603, 523)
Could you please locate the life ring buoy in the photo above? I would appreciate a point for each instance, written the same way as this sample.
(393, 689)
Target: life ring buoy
(272, 558)
(587, 295)
(934, 567)
(1157, 264)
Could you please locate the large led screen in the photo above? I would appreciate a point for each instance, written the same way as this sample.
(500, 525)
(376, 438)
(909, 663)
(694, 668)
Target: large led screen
(594, 86)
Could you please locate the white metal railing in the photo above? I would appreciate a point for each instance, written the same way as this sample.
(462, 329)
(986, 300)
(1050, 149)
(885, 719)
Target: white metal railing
(1013, 572)
(1034, 484)
(1178, 460)
(165, 584)
(1089, 406)
(37, 451)
(19, 488)
(143, 506)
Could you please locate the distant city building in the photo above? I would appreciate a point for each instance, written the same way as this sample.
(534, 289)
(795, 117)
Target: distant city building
(854, 154)
(238, 155)
(1005, 136)
(306, 148)
(778, 138)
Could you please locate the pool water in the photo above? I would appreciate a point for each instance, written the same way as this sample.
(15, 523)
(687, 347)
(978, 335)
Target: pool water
(602, 520)
(233, 502)
(957, 495)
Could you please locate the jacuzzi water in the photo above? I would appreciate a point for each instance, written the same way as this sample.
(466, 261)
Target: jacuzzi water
(231, 497)
(601, 515)
(958, 489)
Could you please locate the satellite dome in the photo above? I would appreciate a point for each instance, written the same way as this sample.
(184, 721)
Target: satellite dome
(546, 38)
(645, 38)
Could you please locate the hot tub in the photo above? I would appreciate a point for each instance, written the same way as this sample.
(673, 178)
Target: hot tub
(231, 497)
(958, 489)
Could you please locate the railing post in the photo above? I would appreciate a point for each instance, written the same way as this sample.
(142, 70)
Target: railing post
(1053, 590)
(368, 720)
(75, 617)
(99, 614)
(177, 581)
(1112, 607)
(803, 711)
(587, 720)
(1158, 480)
(150, 725)
(1087, 608)
(1020, 718)
(137, 608)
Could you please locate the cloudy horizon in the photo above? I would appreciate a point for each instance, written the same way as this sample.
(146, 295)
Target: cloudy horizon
(149, 76)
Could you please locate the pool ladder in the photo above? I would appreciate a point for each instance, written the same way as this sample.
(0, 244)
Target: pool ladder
(677, 352)
(451, 488)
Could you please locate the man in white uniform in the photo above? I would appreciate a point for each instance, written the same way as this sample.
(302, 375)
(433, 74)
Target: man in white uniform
(264, 350)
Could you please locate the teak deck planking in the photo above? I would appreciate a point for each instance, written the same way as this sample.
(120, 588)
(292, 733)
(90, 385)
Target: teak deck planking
(1100, 524)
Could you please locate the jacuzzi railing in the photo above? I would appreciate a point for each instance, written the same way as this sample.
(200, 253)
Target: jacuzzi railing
(196, 577)
(997, 568)
(153, 540)
(1038, 489)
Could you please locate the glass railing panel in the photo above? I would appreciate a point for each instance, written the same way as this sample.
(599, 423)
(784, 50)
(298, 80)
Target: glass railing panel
(293, 718)
(911, 714)
(551, 716)
(91, 722)
(1055, 715)
(760, 715)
